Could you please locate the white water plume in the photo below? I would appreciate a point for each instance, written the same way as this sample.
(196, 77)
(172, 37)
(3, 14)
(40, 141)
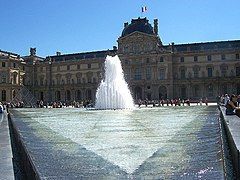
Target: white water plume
(113, 92)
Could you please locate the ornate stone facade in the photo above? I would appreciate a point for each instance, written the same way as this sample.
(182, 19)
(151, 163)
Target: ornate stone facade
(152, 70)
(11, 75)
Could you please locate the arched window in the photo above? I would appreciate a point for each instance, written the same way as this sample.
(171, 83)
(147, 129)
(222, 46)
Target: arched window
(162, 92)
(196, 91)
(210, 90)
(183, 91)
(41, 96)
(137, 93)
(58, 96)
(4, 95)
(89, 94)
(78, 95)
(14, 78)
(68, 95)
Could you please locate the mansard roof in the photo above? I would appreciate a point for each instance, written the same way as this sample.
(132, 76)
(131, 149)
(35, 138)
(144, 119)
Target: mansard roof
(6, 53)
(208, 46)
(83, 55)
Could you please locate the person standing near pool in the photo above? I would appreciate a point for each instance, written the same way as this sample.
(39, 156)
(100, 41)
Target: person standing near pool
(231, 106)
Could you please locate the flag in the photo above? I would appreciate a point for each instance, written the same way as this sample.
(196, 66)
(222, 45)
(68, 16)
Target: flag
(144, 9)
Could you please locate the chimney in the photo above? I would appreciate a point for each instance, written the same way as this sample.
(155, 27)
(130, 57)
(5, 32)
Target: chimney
(156, 26)
(125, 24)
(58, 53)
(32, 51)
(114, 48)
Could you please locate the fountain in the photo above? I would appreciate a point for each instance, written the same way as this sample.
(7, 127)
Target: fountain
(147, 143)
(113, 92)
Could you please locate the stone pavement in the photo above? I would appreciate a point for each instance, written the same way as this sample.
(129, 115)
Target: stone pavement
(6, 165)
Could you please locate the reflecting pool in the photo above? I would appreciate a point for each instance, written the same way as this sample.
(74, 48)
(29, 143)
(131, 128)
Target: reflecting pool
(162, 142)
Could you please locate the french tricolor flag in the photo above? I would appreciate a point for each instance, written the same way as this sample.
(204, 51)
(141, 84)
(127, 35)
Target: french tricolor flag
(144, 8)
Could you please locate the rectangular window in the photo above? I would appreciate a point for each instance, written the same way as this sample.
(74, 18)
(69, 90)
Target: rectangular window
(183, 74)
(161, 59)
(78, 66)
(4, 79)
(224, 71)
(196, 73)
(148, 73)
(223, 57)
(238, 71)
(209, 58)
(14, 65)
(89, 66)
(210, 73)
(138, 74)
(237, 56)
(161, 74)
(182, 59)
(3, 64)
(195, 58)
(68, 67)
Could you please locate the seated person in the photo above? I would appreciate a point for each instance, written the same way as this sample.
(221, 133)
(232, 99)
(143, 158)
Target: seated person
(231, 106)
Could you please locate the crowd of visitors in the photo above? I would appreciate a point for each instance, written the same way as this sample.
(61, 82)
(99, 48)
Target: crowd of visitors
(85, 104)
(172, 102)
(231, 103)
(89, 103)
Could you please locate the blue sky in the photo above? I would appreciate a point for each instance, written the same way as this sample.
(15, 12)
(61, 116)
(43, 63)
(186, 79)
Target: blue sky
(72, 26)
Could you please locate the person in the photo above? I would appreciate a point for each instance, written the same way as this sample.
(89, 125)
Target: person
(238, 100)
(139, 103)
(231, 106)
(226, 99)
(206, 101)
(1, 108)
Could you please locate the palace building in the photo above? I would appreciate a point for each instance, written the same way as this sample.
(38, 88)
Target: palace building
(153, 70)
